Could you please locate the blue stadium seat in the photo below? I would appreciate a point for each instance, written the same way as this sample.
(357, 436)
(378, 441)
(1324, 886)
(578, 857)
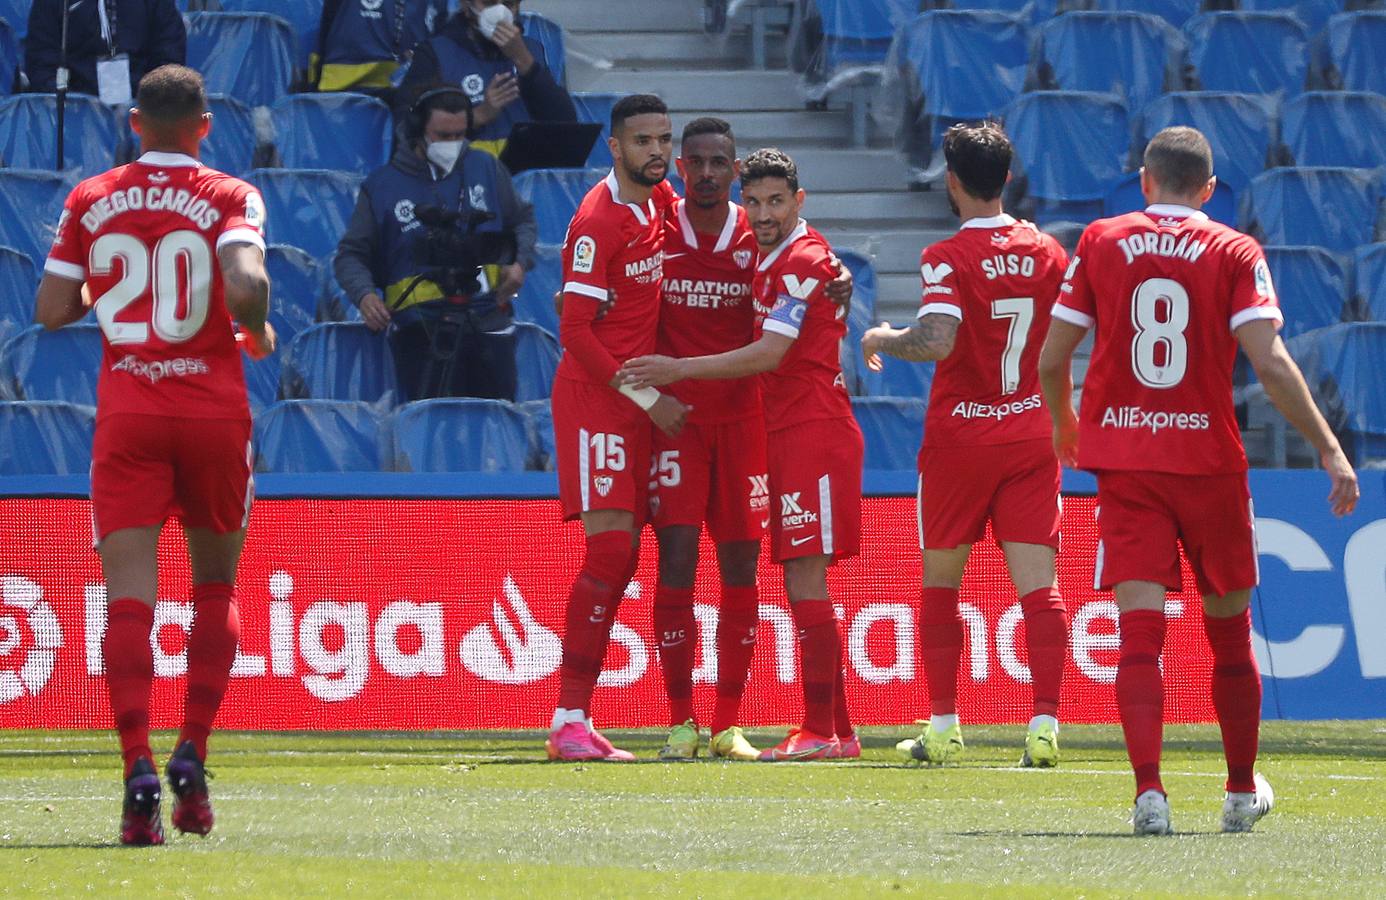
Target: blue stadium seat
(1175, 12)
(319, 436)
(1034, 12)
(52, 365)
(31, 201)
(249, 56)
(295, 284)
(16, 13)
(307, 208)
(893, 428)
(1369, 283)
(1329, 207)
(543, 457)
(9, 55)
(859, 32)
(18, 285)
(1125, 196)
(897, 378)
(1342, 365)
(45, 438)
(303, 17)
(596, 108)
(1071, 145)
(535, 302)
(1312, 285)
(29, 133)
(864, 284)
(1335, 128)
(1356, 52)
(1129, 54)
(555, 194)
(994, 48)
(263, 377)
(461, 435)
(1239, 126)
(340, 361)
(231, 146)
(536, 359)
(550, 37)
(1313, 13)
(343, 131)
(1254, 53)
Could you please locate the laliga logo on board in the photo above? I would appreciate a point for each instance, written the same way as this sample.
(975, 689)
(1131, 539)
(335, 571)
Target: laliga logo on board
(532, 652)
(38, 664)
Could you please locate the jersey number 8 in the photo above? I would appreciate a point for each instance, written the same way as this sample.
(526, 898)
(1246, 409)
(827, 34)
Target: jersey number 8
(180, 257)
(1160, 315)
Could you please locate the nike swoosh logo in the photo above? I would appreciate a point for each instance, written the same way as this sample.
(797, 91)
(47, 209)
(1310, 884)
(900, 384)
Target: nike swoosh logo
(765, 523)
(748, 643)
(675, 255)
(803, 540)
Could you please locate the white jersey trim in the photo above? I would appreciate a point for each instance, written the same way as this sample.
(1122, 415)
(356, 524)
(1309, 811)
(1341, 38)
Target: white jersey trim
(168, 160)
(642, 215)
(584, 472)
(586, 290)
(990, 222)
(775, 326)
(241, 236)
(70, 271)
(1177, 211)
(799, 231)
(1072, 316)
(728, 230)
(825, 511)
(946, 309)
(1253, 313)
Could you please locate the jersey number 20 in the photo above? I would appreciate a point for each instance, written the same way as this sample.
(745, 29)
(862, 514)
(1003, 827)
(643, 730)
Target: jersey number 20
(180, 257)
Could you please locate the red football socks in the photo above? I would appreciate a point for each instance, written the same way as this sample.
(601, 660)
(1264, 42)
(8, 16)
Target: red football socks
(676, 634)
(820, 649)
(211, 652)
(736, 645)
(1140, 694)
(1046, 640)
(129, 674)
(941, 644)
(592, 605)
(1236, 696)
(842, 717)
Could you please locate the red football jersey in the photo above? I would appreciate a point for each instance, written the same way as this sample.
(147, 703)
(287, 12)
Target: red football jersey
(614, 251)
(1166, 288)
(1000, 278)
(144, 237)
(707, 309)
(789, 297)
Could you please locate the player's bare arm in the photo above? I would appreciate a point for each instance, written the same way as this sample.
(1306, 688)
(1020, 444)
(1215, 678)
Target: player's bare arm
(60, 302)
(1285, 388)
(762, 356)
(839, 290)
(247, 288)
(1056, 380)
(932, 339)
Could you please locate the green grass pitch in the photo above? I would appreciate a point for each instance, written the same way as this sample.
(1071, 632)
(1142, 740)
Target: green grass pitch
(479, 814)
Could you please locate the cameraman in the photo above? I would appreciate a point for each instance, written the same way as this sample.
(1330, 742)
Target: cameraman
(436, 251)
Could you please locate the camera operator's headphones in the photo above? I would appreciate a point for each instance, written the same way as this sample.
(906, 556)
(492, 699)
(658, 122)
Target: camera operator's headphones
(416, 118)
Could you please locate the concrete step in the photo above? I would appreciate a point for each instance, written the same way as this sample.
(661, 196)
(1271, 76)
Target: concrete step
(879, 208)
(686, 89)
(773, 128)
(824, 170)
(895, 250)
(579, 16)
(668, 49)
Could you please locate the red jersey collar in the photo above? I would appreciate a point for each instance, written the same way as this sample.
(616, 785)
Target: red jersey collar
(690, 237)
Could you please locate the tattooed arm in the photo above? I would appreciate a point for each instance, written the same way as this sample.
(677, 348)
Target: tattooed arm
(930, 339)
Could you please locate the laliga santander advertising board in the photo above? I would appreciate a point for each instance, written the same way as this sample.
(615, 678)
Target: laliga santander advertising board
(447, 613)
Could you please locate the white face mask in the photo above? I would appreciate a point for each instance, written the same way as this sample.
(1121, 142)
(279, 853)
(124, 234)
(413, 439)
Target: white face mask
(490, 17)
(444, 154)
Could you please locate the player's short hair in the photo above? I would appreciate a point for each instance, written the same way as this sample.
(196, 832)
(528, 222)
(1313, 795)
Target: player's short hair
(1180, 160)
(709, 125)
(171, 94)
(980, 157)
(636, 105)
(770, 162)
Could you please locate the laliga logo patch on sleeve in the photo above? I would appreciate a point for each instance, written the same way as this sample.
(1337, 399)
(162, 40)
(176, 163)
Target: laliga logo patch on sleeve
(254, 210)
(584, 255)
(1264, 286)
(1072, 267)
(62, 223)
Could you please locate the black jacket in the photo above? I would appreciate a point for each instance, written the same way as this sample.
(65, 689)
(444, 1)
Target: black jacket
(545, 98)
(150, 31)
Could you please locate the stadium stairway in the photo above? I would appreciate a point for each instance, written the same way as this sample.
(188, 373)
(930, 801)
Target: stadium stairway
(857, 197)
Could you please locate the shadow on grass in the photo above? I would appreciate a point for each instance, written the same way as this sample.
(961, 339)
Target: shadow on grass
(1067, 835)
(59, 845)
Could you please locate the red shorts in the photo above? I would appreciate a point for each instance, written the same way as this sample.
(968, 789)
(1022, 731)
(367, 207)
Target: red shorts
(602, 441)
(1141, 515)
(146, 468)
(1015, 485)
(815, 481)
(714, 474)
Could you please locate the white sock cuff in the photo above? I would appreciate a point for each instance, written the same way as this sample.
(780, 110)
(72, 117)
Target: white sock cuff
(1037, 721)
(943, 723)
